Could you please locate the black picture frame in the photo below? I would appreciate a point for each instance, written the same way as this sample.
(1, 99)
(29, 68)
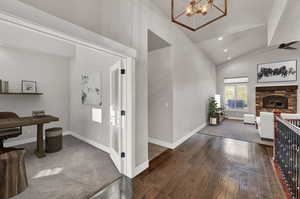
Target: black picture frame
(257, 71)
(34, 86)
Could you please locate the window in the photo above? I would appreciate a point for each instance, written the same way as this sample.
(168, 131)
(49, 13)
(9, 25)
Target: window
(236, 94)
(218, 100)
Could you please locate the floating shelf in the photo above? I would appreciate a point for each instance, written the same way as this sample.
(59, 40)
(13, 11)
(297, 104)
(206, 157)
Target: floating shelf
(21, 93)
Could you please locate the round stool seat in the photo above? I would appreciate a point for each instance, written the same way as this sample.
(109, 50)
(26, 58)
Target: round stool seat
(54, 140)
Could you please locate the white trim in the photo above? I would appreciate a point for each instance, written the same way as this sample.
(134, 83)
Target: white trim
(18, 13)
(193, 132)
(30, 18)
(91, 142)
(76, 135)
(11, 143)
(130, 117)
(117, 130)
(235, 118)
(160, 142)
(145, 165)
(179, 142)
(139, 169)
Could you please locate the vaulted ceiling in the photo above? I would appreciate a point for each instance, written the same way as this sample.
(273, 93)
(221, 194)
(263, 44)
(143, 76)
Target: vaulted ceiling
(244, 29)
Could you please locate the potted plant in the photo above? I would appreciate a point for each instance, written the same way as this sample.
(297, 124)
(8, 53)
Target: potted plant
(212, 111)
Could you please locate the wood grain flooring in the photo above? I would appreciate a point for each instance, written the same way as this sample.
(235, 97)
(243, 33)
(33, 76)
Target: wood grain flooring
(155, 151)
(209, 167)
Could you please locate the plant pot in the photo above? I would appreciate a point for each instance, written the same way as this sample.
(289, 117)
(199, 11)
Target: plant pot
(213, 121)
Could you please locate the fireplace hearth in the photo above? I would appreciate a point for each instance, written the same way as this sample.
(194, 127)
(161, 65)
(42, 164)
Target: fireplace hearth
(283, 98)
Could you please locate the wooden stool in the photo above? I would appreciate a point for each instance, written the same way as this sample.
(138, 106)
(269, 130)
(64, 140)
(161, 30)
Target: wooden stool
(13, 179)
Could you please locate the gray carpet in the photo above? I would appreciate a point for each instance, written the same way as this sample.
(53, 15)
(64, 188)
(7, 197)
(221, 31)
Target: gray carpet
(236, 130)
(78, 171)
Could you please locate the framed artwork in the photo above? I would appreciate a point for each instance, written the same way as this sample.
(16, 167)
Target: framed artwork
(91, 92)
(283, 71)
(29, 86)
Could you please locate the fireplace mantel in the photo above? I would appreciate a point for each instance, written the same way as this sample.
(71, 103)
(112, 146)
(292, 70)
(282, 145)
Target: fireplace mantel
(287, 93)
(276, 88)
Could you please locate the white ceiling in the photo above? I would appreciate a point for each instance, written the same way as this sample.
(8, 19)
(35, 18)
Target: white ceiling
(21, 38)
(237, 44)
(243, 29)
(284, 22)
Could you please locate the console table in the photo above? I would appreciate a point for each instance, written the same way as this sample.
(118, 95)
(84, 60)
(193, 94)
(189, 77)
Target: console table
(31, 121)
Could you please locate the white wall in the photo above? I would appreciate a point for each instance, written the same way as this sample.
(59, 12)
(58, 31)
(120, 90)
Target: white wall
(128, 22)
(247, 66)
(90, 61)
(180, 82)
(160, 95)
(194, 81)
(52, 76)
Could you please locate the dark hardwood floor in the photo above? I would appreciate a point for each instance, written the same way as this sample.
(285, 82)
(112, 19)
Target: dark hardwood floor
(204, 167)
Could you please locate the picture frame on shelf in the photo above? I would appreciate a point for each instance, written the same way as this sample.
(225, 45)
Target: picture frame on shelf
(29, 86)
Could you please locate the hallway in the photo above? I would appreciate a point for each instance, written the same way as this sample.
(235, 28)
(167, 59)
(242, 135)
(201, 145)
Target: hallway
(211, 167)
(204, 167)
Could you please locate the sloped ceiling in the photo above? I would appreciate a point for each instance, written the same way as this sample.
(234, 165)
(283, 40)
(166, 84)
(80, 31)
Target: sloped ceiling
(284, 23)
(243, 29)
(237, 44)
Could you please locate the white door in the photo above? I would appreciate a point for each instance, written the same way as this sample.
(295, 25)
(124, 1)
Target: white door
(115, 115)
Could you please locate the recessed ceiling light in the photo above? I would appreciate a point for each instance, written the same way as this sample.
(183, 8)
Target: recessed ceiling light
(225, 50)
(228, 58)
(220, 38)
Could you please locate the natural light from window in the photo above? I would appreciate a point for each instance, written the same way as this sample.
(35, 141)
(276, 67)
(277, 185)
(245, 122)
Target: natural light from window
(48, 172)
(236, 94)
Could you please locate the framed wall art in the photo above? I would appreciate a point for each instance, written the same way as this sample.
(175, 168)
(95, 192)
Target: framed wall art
(283, 71)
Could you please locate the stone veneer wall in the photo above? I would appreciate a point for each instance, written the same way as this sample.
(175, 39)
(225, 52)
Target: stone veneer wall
(288, 91)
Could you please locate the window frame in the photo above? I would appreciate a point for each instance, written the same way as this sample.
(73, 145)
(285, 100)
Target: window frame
(235, 90)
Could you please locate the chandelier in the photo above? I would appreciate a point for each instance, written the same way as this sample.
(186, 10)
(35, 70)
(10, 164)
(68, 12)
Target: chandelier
(196, 14)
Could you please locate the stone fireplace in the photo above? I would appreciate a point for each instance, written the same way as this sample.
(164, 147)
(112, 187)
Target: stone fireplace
(283, 98)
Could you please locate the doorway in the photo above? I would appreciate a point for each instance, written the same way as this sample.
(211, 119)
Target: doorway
(126, 164)
(159, 96)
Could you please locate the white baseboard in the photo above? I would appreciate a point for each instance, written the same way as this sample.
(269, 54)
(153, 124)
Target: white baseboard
(139, 169)
(91, 142)
(160, 142)
(145, 165)
(11, 143)
(193, 132)
(179, 142)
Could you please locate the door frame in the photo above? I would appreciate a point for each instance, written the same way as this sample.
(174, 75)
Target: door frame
(129, 78)
(116, 156)
(127, 99)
